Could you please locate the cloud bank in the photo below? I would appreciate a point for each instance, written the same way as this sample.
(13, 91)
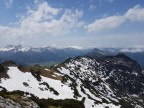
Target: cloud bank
(46, 24)
(135, 14)
(44, 20)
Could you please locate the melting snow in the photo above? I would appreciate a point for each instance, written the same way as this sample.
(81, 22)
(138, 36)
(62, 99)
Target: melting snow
(16, 83)
(17, 78)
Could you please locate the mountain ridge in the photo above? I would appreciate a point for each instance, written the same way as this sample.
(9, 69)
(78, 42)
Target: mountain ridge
(27, 55)
(115, 82)
(52, 55)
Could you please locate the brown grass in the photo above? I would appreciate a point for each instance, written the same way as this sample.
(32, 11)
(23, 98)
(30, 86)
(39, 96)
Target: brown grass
(53, 107)
(44, 71)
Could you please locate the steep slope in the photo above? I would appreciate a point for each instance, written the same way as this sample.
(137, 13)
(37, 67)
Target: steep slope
(106, 82)
(138, 56)
(116, 79)
(21, 102)
(134, 53)
(97, 53)
(38, 81)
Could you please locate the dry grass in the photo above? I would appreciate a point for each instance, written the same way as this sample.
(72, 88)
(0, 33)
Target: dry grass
(53, 107)
(36, 68)
(15, 97)
(43, 71)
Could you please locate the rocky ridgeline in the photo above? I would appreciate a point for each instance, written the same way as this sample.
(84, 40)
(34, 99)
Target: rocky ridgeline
(23, 103)
(105, 82)
(114, 79)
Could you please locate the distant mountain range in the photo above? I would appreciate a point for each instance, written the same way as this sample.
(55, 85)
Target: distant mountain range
(134, 53)
(29, 55)
(81, 82)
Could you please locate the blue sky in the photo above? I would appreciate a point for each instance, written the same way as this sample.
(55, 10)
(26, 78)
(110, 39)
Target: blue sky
(61, 23)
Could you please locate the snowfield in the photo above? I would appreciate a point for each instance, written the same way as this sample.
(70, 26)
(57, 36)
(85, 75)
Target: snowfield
(18, 78)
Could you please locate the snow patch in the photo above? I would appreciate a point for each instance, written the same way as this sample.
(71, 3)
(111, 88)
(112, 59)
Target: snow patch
(15, 82)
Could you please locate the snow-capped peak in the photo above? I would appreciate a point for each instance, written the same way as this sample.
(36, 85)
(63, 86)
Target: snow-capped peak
(7, 48)
(15, 48)
(22, 48)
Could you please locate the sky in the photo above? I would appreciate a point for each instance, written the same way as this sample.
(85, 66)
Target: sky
(61, 23)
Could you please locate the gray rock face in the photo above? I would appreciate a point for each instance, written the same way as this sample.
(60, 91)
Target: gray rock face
(23, 103)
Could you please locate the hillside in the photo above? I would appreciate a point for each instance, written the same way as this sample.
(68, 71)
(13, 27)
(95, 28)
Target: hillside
(114, 82)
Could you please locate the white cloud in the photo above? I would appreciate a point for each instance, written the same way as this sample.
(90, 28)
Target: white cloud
(92, 7)
(44, 20)
(132, 50)
(8, 3)
(105, 23)
(134, 14)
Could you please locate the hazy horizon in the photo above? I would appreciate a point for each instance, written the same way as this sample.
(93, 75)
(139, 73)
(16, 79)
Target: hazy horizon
(76, 47)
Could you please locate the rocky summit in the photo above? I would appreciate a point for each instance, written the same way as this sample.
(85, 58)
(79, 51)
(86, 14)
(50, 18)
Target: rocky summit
(81, 82)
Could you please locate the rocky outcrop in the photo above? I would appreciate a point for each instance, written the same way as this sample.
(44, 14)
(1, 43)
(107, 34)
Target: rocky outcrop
(22, 103)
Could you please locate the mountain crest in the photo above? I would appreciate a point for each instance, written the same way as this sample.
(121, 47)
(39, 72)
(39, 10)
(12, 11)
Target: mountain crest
(9, 63)
(113, 82)
(14, 49)
(122, 55)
